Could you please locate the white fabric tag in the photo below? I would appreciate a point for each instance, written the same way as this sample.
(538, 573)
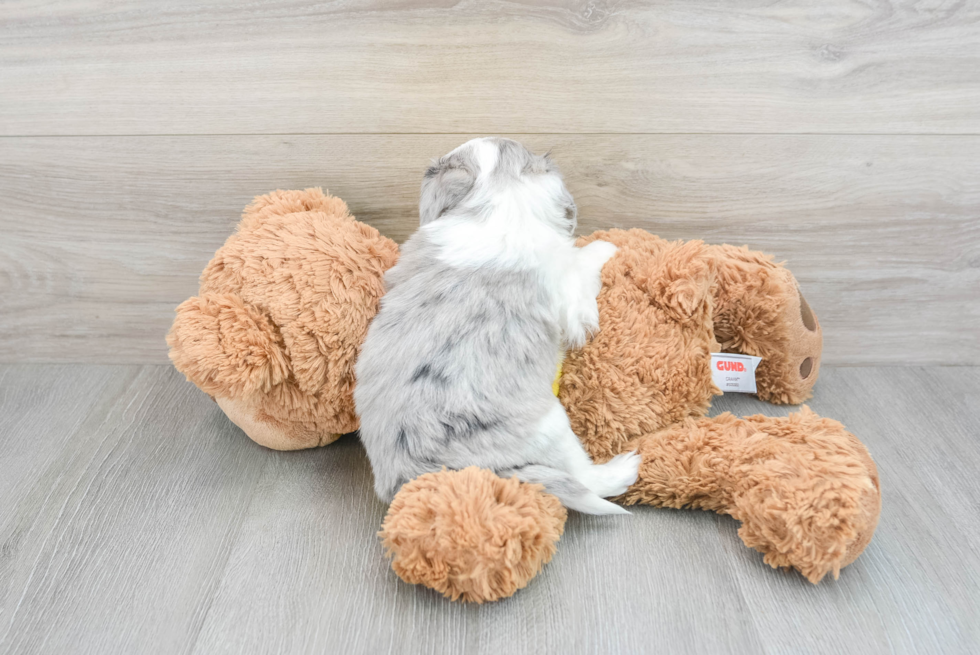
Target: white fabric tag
(733, 372)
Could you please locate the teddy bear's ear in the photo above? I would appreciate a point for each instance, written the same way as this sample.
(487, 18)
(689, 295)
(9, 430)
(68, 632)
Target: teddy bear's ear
(281, 203)
(226, 347)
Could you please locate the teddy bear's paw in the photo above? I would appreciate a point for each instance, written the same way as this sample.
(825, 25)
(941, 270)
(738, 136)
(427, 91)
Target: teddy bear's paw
(810, 496)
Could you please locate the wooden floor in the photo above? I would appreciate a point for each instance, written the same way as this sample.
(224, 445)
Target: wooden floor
(843, 136)
(136, 518)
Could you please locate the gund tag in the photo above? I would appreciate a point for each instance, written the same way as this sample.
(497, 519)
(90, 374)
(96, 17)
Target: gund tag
(734, 373)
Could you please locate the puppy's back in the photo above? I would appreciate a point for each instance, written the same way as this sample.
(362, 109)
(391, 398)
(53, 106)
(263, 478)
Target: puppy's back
(456, 368)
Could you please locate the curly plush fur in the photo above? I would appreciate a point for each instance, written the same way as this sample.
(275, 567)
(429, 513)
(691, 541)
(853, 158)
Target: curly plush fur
(664, 308)
(285, 305)
(283, 308)
(471, 535)
(803, 487)
(649, 366)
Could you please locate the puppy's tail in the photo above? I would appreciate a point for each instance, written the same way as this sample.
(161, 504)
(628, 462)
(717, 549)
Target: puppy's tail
(572, 493)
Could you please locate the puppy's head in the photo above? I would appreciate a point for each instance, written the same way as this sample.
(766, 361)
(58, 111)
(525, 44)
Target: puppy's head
(489, 175)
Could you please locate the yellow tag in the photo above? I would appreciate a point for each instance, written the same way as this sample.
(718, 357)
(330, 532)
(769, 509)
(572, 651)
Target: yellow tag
(555, 384)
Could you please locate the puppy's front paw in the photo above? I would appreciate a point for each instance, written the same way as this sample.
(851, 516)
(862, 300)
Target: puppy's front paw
(599, 252)
(594, 257)
(582, 322)
(582, 317)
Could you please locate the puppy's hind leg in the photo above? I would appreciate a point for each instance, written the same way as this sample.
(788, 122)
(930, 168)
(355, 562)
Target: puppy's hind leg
(610, 479)
(572, 493)
(561, 463)
(615, 476)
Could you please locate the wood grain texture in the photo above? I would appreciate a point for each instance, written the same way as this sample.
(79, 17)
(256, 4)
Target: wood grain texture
(429, 66)
(922, 426)
(150, 523)
(116, 541)
(103, 237)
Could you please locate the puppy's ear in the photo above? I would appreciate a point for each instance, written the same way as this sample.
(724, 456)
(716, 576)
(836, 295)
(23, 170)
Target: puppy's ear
(571, 211)
(539, 165)
(571, 214)
(446, 183)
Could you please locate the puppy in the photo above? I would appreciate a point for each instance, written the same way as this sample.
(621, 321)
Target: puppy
(457, 366)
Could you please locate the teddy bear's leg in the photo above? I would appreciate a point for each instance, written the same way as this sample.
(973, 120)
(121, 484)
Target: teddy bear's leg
(759, 310)
(805, 489)
(471, 535)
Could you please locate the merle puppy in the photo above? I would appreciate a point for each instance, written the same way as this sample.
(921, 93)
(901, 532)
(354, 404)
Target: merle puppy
(457, 366)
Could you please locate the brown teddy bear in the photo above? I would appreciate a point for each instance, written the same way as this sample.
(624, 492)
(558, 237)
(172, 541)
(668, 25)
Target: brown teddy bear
(284, 306)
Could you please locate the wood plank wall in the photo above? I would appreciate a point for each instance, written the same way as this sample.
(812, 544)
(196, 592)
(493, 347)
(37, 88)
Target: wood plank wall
(842, 136)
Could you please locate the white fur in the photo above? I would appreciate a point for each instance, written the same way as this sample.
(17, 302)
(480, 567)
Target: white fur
(554, 435)
(523, 228)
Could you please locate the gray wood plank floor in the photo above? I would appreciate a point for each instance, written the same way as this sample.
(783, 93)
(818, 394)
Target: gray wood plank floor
(136, 518)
